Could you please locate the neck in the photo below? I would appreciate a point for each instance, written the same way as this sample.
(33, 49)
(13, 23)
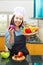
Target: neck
(17, 28)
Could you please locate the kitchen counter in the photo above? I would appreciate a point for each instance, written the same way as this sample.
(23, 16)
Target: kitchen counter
(28, 61)
(34, 40)
(2, 43)
(34, 46)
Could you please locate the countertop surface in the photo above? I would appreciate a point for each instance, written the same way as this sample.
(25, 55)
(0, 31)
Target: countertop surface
(34, 40)
(28, 61)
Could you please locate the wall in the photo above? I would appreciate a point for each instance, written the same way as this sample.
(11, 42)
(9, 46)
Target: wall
(41, 29)
(9, 5)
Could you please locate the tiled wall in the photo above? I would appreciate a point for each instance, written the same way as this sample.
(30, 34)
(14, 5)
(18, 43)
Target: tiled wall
(41, 29)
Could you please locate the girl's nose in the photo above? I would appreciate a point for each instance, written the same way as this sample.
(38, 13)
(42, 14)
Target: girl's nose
(18, 19)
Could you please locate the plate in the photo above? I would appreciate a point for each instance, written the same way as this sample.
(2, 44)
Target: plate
(32, 28)
(30, 34)
(18, 58)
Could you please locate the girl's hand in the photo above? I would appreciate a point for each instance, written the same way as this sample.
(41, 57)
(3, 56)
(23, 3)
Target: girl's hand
(11, 31)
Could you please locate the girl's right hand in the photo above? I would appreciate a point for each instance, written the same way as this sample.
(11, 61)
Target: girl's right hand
(11, 31)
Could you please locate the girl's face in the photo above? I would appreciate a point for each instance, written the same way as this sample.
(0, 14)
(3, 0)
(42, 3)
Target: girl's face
(18, 20)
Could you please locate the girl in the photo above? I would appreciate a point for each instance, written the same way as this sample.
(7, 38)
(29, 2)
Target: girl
(15, 40)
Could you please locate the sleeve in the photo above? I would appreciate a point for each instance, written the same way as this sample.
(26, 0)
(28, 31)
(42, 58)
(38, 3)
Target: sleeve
(7, 36)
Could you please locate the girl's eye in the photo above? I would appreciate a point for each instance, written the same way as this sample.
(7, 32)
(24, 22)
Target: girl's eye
(20, 18)
(16, 17)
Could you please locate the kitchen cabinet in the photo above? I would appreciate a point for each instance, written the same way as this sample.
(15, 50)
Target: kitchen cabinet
(35, 48)
(38, 8)
(2, 43)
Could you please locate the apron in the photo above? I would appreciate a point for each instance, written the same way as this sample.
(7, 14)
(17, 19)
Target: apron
(19, 45)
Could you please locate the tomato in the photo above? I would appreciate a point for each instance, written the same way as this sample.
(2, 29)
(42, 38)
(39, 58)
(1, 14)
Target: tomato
(20, 54)
(27, 30)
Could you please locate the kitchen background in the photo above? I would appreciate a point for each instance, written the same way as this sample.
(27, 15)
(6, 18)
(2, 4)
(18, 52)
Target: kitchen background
(31, 6)
(6, 11)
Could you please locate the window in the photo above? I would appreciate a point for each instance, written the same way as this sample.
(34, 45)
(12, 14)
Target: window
(3, 23)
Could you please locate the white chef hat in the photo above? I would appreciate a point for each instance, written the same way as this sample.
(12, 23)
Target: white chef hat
(19, 10)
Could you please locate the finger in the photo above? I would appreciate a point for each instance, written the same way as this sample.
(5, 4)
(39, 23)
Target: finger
(13, 30)
(10, 29)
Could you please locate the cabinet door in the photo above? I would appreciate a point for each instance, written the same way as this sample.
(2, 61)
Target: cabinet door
(2, 43)
(38, 8)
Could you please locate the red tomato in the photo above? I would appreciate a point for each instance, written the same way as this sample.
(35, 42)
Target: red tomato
(20, 54)
(27, 30)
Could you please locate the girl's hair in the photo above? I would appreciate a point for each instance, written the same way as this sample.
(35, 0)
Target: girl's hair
(12, 21)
